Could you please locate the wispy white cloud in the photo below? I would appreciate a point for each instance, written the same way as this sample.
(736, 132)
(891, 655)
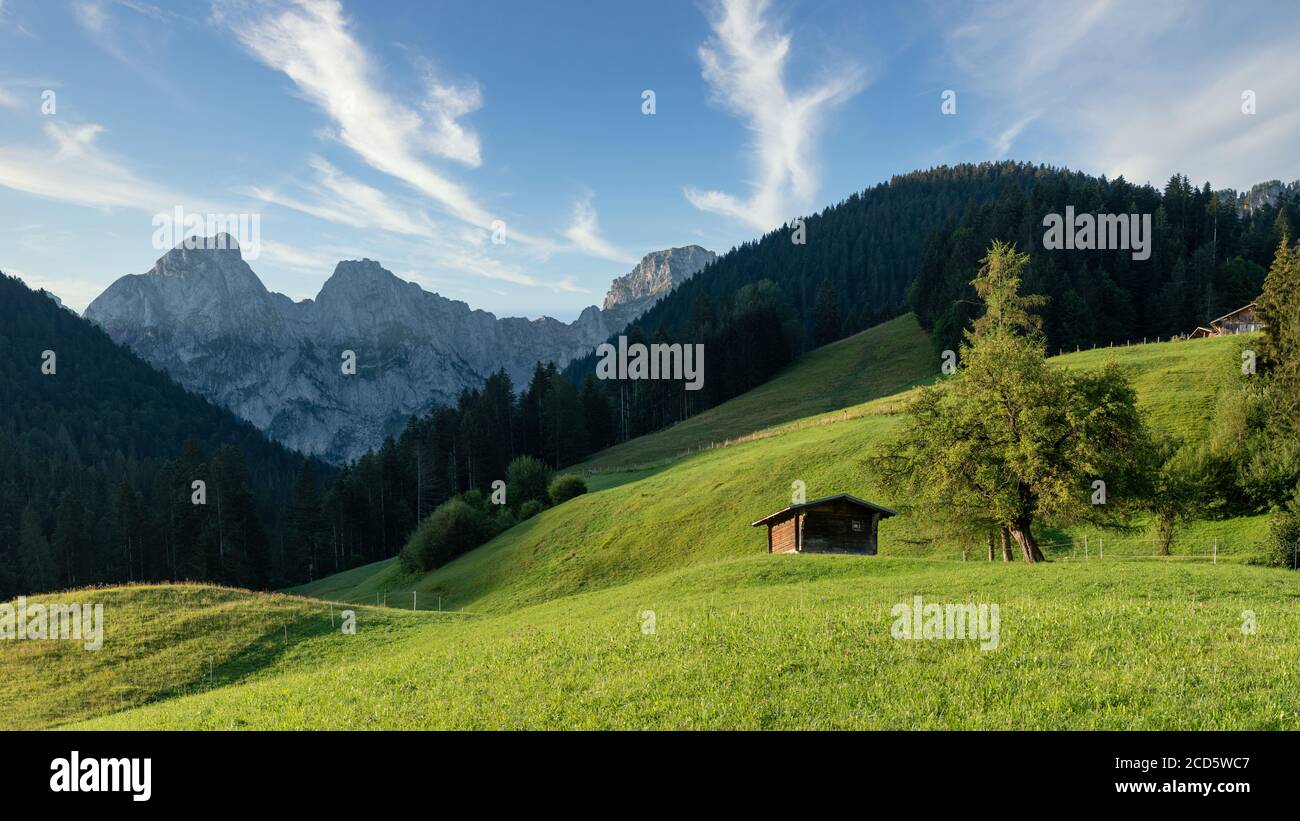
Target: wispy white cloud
(460, 258)
(1018, 55)
(292, 256)
(1012, 45)
(1003, 142)
(311, 42)
(91, 16)
(73, 168)
(7, 20)
(94, 18)
(417, 240)
(1125, 88)
(445, 105)
(584, 233)
(1196, 125)
(744, 64)
(570, 285)
(133, 39)
(337, 197)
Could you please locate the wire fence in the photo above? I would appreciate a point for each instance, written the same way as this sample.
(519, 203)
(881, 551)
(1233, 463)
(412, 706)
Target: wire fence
(1146, 340)
(417, 600)
(1103, 547)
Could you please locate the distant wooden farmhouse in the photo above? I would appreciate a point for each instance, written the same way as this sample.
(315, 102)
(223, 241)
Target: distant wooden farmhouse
(1241, 321)
(832, 524)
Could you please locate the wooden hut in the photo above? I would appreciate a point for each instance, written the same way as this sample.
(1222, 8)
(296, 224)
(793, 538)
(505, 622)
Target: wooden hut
(1244, 320)
(1240, 321)
(842, 523)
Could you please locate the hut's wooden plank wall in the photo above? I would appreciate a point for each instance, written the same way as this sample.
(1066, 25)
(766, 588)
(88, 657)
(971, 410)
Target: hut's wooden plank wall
(783, 536)
(826, 532)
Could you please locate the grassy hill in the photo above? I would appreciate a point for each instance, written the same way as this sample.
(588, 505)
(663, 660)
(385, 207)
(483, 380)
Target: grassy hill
(776, 642)
(163, 641)
(698, 509)
(880, 361)
(552, 632)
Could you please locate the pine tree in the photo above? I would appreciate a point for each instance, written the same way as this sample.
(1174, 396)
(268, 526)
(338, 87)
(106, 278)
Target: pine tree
(1278, 308)
(565, 423)
(35, 561)
(826, 321)
(302, 550)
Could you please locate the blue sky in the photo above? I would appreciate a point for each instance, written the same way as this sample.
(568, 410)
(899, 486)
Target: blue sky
(404, 131)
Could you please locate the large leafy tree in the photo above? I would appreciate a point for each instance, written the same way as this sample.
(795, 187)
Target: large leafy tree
(1006, 441)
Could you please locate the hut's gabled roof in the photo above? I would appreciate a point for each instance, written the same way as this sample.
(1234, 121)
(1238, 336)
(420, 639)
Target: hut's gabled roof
(1231, 314)
(847, 497)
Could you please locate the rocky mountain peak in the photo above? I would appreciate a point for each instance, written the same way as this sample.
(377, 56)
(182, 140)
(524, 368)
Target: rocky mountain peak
(202, 315)
(657, 274)
(222, 248)
(207, 288)
(1260, 195)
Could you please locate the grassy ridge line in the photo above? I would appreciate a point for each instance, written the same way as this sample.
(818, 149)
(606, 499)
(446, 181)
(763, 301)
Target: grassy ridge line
(770, 642)
(162, 641)
(888, 360)
(876, 362)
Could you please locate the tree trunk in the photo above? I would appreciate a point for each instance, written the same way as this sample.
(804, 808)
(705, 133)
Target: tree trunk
(990, 546)
(1028, 544)
(1007, 554)
(1164, 533)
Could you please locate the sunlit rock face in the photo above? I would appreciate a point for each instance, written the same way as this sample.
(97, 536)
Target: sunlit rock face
(203, 316)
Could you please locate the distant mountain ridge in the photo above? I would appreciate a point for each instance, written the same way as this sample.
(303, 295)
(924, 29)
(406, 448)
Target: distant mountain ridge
(1260, 195)
(203, 316)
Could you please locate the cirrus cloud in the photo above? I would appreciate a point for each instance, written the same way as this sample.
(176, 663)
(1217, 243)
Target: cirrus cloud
(744, 64)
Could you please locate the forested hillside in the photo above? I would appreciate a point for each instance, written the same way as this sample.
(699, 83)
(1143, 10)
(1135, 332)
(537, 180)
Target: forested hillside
(914, 243)
(1207, 258)
(764, 302)
(98, 455)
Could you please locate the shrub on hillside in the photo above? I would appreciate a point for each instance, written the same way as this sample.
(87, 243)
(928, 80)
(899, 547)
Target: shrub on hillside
(476, 499)
(454, 528)
(526, 480)
(505, 519)
(529, 509)
(564, 487)
(1284, 534)
(408, 558)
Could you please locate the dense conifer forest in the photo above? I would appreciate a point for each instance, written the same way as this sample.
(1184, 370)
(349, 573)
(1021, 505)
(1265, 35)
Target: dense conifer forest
(98, 456)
